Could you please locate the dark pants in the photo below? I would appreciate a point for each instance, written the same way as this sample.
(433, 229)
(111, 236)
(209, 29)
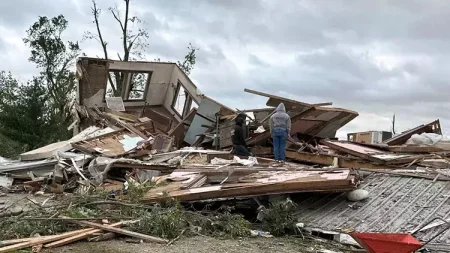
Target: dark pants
(279, 136)
(241, 150)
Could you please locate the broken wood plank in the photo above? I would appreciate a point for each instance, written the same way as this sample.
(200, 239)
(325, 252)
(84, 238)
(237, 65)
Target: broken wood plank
(41, 240)
(15, 241)
(433, 127)
(122, 115)
(78, 237)
(132, 129)
(193, 181)
(327, 160)
(355, 149)
(121, 231)
(415, 175)
(414, 149)
(262, 184)
(285, 99)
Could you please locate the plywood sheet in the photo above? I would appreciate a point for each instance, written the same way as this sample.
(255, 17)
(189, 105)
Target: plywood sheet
(108, 145)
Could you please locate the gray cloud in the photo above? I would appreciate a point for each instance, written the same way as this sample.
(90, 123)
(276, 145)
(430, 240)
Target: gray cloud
(374, 57)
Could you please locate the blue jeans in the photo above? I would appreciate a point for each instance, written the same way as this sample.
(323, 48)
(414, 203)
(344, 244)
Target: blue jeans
(279, 136)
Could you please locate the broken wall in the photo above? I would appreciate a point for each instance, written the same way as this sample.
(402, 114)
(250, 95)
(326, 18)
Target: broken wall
(165, 85)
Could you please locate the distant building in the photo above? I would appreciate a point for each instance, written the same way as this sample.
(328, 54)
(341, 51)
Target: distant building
(370, 137)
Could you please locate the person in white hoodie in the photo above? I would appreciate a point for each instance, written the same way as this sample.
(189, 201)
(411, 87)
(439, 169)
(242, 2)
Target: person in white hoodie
(280, 129)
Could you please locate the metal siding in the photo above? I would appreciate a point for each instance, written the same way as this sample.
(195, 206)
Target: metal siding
(395, 204)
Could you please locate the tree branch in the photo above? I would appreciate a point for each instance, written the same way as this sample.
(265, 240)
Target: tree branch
(96, 12)
(116, 16)
(125, 30)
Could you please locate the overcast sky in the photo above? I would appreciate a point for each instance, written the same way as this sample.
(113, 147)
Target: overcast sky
(374, 57)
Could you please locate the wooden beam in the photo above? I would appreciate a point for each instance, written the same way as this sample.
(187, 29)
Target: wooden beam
(256, 189)
(414, 149)
(328, 160)
(121, 231)
(42, 240)
(122, 115)
(323, 104)
(358, 153)
(78, 237)
(132, 129)
(278, 97)
(405, 174)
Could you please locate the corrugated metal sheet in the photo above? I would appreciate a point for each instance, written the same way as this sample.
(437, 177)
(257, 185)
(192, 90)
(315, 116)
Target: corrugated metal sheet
(395, 204)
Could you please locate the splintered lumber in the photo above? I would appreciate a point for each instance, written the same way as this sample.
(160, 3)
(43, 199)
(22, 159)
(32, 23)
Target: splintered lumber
(414, 149)
(41, 240)
(437, 176)
(324, 159)
(14, 241)
(120, 231)
(78, 237)
(261, 183)
(132, 129)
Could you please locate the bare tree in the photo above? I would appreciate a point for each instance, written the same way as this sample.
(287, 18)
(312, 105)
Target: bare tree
(393, 124)
(134, 43)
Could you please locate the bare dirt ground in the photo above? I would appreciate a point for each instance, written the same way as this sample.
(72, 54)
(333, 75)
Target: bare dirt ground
(208, 245)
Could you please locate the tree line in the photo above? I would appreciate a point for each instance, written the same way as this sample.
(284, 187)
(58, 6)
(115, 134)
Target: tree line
(39, 111)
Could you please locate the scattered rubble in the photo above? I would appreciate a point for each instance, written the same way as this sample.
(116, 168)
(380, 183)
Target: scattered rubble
(164, 144)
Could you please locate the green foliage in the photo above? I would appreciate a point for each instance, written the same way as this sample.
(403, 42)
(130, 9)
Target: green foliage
(279, 218)
(55, 58)
(231, 225)
(38, 112)
(166, 224)
(172, 221)
(25, 117)
(136, 191)
(189, 60)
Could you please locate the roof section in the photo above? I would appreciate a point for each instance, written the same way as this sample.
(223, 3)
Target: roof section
(395, 204)
(433, 127)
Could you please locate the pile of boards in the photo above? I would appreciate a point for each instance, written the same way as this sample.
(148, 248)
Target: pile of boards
(419, 152)
(236, 177)
(116, 147)
(94, 231)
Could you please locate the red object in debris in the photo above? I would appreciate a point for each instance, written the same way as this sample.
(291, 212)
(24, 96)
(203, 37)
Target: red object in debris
(387, 242)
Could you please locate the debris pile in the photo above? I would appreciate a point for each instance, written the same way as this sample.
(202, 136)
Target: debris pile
(174, 145)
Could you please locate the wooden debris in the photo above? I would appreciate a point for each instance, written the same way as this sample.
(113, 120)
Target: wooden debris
(121, 231)
(78, 237)
(43, 240)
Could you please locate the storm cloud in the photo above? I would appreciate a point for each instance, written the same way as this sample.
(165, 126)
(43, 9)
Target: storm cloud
(374, 57)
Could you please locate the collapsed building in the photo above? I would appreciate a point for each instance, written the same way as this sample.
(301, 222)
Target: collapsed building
(147, 121)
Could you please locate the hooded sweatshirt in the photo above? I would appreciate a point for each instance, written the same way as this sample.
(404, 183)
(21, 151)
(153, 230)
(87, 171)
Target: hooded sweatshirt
(238, 135)
(280, 119)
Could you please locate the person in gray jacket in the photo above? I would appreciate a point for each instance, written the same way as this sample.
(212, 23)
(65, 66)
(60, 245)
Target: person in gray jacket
(280, 129)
